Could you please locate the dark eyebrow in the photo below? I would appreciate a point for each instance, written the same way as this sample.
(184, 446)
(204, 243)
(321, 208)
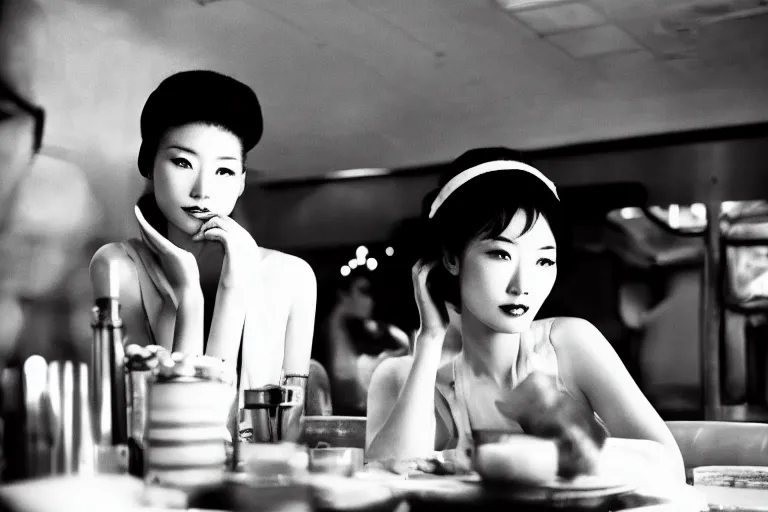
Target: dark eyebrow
(182, 148)
(507, 240)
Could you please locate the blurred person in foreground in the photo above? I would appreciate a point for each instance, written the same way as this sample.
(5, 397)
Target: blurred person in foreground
(22, 123)
(21, 131)
(44, 297)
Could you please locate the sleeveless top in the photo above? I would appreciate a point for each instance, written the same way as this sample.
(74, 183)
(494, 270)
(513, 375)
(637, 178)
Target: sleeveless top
(536, 354)
(261, 360)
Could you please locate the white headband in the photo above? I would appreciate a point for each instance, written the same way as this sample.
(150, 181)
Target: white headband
(473, 172)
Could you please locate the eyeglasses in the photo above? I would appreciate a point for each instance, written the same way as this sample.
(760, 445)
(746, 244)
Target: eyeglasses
(21, 106)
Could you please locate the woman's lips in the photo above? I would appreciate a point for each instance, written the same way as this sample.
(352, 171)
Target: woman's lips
(514, 310)
(198, 213)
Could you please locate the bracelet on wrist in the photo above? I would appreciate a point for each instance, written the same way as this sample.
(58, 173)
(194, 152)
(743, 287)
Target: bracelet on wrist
(295, 379)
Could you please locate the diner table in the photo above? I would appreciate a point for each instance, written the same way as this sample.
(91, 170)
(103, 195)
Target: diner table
(452, 494)
(735, 489)
(367, 492)
(376, 491)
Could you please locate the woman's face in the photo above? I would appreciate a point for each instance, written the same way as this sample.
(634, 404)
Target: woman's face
(198, 173)
(359, 301)
(505, 280)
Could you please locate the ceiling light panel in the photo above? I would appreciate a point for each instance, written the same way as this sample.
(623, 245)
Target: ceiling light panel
(591, 42)
(561, 18)
(513, 5)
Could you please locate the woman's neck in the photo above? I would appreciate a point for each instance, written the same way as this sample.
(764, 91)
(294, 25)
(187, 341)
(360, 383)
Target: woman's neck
(488, 353)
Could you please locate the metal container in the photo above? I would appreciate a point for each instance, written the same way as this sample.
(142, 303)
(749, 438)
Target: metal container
(334, 431)
(273, 413)
(108, 397)
(336, 461)
(48, 409)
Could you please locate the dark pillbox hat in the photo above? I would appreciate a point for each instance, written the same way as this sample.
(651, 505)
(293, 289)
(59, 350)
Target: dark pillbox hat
(199, 96)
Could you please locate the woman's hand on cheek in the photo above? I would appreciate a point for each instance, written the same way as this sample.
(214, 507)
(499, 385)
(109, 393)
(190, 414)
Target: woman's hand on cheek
(242, 256)
(432, 325)
(179, 266)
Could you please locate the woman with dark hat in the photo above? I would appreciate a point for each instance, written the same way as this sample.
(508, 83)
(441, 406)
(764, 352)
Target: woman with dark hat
(196, 281)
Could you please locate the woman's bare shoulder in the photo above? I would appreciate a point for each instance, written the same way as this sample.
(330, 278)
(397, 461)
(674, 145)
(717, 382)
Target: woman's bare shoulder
(393, 371)
(113, 251)
(107, 256)
(129, 289)
(571, 333)
(287, 268)
(580, 347)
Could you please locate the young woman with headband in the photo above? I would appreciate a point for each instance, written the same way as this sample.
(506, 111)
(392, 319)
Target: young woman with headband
(495, 239)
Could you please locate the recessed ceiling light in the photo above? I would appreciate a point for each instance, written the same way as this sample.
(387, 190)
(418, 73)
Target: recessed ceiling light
(560, 18)
(595, 41)
(515, 5)
(357, 173)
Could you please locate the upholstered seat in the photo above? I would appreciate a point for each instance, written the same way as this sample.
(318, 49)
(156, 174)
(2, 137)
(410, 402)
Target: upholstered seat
(318, 402)
(721, 443)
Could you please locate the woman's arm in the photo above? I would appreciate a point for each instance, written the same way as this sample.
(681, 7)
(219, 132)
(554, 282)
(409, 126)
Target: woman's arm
(401, 418)
(179, 269)
(188, 328)
(227, 323)
(406, 428)
(301, 319)
(589, 365)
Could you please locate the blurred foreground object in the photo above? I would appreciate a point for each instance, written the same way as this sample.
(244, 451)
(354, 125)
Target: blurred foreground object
(43, 262)
(48, 422)
(544, 412)
(80, 494)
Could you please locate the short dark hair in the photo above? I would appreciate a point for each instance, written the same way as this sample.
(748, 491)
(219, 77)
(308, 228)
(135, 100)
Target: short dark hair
(482, 208)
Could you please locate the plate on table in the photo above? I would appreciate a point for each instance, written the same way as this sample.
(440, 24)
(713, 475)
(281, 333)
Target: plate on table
(592, 489)
(580, 489)
(587, 483)
(426, 483)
